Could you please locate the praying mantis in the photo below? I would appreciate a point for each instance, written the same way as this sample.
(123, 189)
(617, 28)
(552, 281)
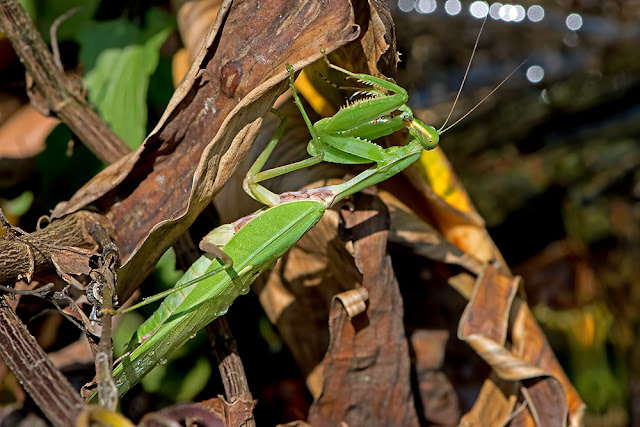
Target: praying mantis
(253, 244)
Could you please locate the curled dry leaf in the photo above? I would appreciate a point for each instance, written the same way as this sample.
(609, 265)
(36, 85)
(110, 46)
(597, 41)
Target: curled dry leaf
(550, 397)
(368, 356)
(153, 195)
(354, 301)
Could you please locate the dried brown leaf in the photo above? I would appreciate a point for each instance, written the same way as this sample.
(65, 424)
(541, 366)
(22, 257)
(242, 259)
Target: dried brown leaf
(530, 344)
(367, 367)
(354, 301)
(495, 404)
(484, 326)
(440, 403)
(23, 134)
(71, 261)
(153, 195)
(411, 232)
(379, 40)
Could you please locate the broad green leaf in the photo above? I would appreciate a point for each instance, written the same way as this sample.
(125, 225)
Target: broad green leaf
(120, 58)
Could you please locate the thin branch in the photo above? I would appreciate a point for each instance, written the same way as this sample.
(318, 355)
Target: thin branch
(54, 38)
(106, 276)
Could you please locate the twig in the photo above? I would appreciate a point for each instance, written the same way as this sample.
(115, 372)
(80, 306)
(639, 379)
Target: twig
(225, 349)
(106, 277)
(54, 39)
(54, 87)
(40, 292)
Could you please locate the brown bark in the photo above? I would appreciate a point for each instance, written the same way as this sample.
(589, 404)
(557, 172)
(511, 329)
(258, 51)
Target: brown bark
(41, 379)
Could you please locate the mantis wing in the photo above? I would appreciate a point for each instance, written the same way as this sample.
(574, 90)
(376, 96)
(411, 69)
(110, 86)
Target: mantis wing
(255, 248)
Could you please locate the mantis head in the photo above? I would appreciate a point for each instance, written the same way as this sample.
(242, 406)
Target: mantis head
(426, 135)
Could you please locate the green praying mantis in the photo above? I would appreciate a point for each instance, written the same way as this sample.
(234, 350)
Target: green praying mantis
(238, 253)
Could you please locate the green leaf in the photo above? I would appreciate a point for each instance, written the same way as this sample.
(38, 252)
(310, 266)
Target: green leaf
(127, 325)
(120, 58)
(166, 271)
(20, 205)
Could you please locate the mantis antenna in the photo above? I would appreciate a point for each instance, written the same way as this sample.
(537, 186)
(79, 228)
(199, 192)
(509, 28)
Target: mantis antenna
(464, 79)
(466, 73)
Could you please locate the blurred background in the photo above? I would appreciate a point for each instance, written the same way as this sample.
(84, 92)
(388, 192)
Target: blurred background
(551, 161)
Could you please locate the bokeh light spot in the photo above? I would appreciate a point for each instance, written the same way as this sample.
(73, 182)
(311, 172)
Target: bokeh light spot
(494, 10)
(535, 13)
(452, 7)
(574, 22)
(426, 6)
(535, 73)
(479, 9)
(406, 5)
